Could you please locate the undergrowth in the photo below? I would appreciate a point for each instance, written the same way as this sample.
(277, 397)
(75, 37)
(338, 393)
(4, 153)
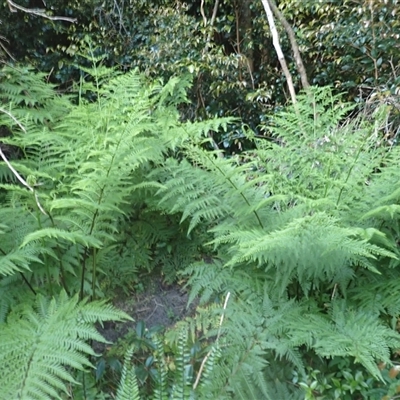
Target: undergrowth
(291, 248)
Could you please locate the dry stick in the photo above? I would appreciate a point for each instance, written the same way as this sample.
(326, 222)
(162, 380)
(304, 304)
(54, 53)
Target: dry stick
(278, 49)
(293, 42)
(203, 363)
(37, 11)
(334, 291)
(22, 180)
(13, 118)
(13, 170)
(2, 38)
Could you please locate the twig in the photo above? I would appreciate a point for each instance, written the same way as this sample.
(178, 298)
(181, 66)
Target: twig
(2, 38)
(203, 363)
(13, 118)
(223, 315)
(334, 291)
(13, 170)
(37, 11)
(22, 180)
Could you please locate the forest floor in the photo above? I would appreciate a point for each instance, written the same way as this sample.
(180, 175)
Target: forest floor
(159, 305)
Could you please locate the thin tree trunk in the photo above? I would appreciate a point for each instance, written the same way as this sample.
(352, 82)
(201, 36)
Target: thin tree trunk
(246, 32)
(293, 42)
(205, 50)
(278, 49)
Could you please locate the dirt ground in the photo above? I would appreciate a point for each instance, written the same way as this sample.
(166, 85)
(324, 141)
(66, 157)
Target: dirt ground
(159, 305)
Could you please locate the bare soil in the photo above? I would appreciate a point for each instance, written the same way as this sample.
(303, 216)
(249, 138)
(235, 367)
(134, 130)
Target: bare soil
(160, 305)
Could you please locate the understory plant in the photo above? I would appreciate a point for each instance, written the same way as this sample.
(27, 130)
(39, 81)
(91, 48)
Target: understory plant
(304, 235)
(78, 217)
(291, 247)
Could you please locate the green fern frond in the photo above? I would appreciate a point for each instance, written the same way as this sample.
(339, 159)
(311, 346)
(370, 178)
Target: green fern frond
(30, 96)
(40, 343)
(181, 388)
(311, 248)
(161, 385)
(128, 387)
(355, 333)
(251, 386)
(86, 240)
(379, 297)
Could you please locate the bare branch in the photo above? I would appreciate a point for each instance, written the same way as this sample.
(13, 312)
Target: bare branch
(37, 11)
(203, 13)
(214, 14)
(293, 42)
(2, 38)
(278, 49)
(13, 118)
(13, 170)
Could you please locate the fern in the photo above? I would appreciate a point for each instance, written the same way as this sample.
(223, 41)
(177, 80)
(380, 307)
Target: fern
(128, 387)
(302, 230)
(40, 343)
(292, 228)
(350, 333)
(83, 206)
(184, 373)
(90, 168)
(161, 385)
(309, 249)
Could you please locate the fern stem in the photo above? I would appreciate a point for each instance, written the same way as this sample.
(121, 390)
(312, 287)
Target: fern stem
(81, 291)
(62, 270)
(327, 180)
(237, 189)
(46, 264)
(94, 266)
(351, 170)
(28, 283)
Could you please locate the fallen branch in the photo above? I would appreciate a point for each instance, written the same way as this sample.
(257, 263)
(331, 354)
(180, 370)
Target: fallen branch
(37, 11)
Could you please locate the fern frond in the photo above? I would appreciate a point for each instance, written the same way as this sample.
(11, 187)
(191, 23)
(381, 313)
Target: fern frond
(313, 248)
(181, 388)
(355, 333)
(40, 343)
(379, 297)
(128, 387)
(161, 385)
(59, 234)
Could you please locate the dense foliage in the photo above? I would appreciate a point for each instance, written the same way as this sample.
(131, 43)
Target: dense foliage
(235, 71)
(290, 247)
(113, 177)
